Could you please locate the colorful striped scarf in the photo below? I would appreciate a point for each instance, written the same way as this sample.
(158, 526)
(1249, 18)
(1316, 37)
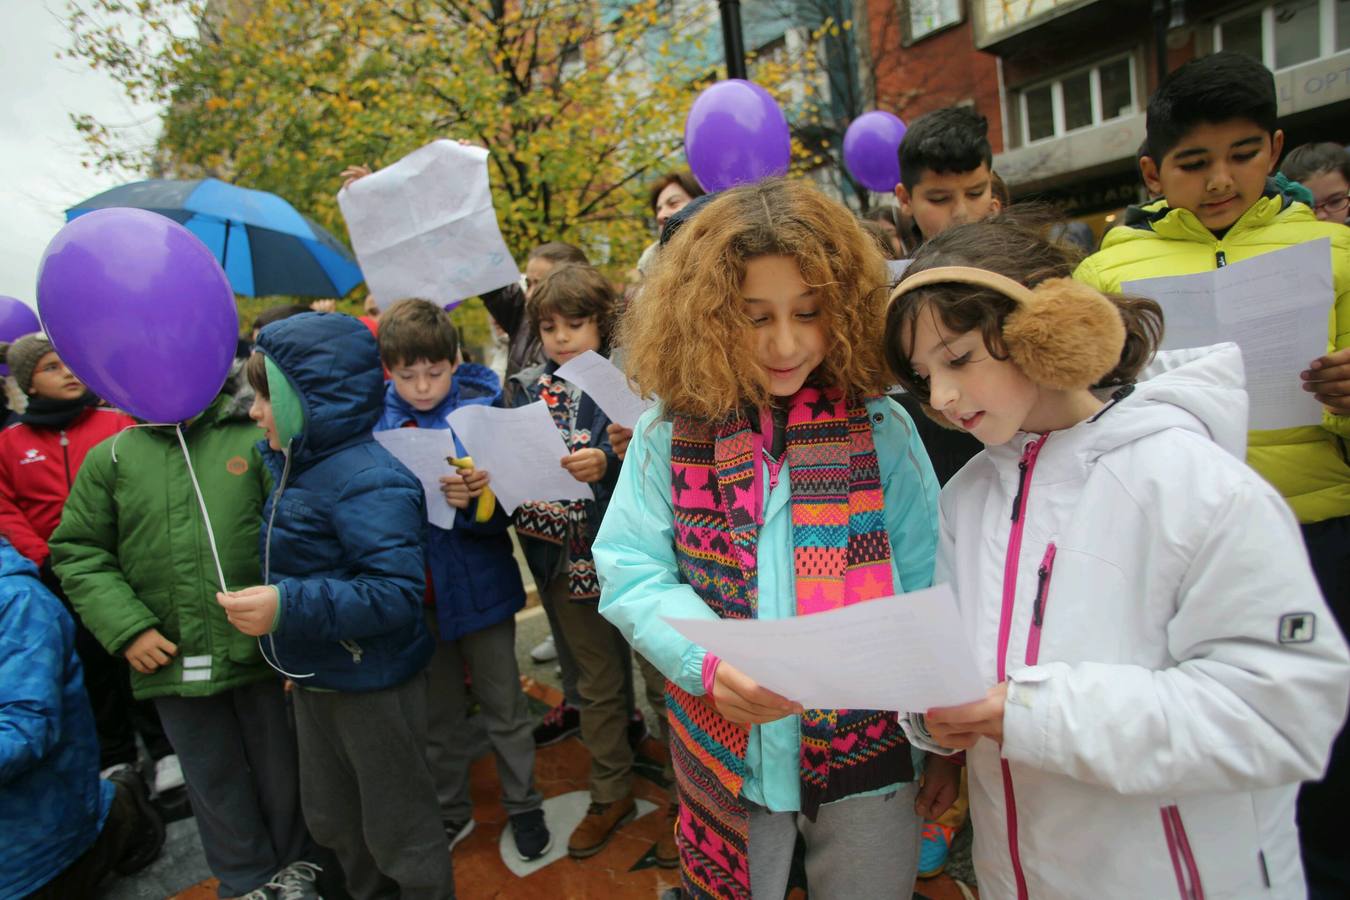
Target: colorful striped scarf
(841, 555)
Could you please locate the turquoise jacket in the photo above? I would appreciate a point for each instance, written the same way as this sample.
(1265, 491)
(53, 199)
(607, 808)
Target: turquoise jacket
(640, 584)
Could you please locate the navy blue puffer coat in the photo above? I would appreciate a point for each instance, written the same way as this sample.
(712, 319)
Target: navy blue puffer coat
(343, 531)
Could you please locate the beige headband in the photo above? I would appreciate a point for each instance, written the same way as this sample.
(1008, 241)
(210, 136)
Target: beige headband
(1063, 334)
(964, 275)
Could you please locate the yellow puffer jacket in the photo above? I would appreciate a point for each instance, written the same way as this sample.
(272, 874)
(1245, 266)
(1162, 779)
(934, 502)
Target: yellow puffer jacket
(1306, 465)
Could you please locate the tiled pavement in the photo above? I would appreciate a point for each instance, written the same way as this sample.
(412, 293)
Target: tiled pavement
(622, 870)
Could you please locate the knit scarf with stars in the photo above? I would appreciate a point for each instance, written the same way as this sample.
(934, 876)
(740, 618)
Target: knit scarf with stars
(841, 555)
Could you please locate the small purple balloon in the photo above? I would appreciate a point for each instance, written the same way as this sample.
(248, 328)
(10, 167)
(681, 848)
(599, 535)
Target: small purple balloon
(736, 134)
(872, 150)
(140, 311)
(16, 319)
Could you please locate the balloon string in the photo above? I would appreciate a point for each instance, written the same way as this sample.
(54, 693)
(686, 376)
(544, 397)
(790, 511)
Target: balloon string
(201, 501)
(119, 434)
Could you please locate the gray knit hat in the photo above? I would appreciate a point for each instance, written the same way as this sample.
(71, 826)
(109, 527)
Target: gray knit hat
(22, 357)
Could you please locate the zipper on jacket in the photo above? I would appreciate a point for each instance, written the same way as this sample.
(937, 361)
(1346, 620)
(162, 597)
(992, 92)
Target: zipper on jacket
(354, 649)
(1118, 395)
(1220, 259)
(1022, 466)
(65, 455)
(272, 516)
(1183, 861)
(1043, 575)
(1026, 466)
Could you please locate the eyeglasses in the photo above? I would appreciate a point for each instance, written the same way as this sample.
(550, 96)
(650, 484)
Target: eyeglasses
(1333, 204)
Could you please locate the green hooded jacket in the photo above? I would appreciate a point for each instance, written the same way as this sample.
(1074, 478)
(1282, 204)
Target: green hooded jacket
(132, 551)
(1307, 465)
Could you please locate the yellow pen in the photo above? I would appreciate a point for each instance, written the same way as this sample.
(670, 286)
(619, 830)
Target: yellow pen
(487, 501)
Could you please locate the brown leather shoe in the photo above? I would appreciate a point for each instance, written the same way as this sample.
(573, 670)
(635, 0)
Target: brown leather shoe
(602, 820)
(667, 853)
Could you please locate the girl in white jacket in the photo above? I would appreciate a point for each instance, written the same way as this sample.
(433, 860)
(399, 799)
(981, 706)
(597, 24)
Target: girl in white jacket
(1164, 671)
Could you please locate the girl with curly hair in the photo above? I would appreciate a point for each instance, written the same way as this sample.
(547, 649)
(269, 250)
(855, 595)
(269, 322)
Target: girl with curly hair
(772, 480)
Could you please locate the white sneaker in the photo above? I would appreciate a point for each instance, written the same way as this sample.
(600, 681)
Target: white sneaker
(168, 774)
(546, 651)
(296, 881)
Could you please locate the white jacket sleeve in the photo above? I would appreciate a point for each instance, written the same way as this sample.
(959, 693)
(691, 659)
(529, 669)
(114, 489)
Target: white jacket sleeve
(635, 556)
(1254, 700)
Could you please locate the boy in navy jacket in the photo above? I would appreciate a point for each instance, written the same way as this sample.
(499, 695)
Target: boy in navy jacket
(340, 608)
(475, 586)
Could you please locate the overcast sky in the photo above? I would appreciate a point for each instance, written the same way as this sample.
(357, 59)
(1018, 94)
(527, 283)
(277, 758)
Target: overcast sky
(40, 153)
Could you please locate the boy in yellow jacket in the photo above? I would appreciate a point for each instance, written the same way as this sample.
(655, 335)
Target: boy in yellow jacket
(1211, 146)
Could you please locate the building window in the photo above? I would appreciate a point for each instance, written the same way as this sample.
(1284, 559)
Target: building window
(1286, 34)
(1078, 100)
(927, 16)
(572, 63)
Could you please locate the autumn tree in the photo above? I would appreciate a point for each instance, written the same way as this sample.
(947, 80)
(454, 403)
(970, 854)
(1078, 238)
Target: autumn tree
(579, 103)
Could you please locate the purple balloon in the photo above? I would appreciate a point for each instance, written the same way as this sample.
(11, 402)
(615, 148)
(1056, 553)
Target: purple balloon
(16, 319)
(140, 311)
(735, 134)
(872, 150)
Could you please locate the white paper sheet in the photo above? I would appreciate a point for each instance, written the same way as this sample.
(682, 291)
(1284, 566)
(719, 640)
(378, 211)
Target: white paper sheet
(608, 387)
(897, 267)
(521, 449)
(425, 451)
(907, 653)
(425, 227)
(1274, 306)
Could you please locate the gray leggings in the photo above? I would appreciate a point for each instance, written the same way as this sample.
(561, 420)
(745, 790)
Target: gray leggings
(863, 847)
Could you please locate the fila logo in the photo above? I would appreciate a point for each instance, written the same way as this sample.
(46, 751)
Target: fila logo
(1298, 628)
(32, 456)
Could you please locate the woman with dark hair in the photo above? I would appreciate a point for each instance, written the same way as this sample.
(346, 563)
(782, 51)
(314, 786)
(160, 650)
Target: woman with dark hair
(668, 195)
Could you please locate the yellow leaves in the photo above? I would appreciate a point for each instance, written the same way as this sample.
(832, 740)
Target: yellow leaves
(288, 96)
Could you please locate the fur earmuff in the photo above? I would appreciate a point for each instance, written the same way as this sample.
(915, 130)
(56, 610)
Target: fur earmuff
(1066, 335)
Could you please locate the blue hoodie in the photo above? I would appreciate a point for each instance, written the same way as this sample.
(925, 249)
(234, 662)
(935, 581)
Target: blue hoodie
(342, 537)
(52, 803)
(474, 576)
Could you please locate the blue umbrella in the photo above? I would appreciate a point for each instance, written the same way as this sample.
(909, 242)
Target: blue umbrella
(262, 243)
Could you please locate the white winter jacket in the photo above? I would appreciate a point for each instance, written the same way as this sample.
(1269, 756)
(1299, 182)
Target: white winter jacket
(1174, 672)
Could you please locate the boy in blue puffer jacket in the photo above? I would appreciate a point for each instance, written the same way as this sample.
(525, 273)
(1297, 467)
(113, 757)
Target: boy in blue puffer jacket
(341, 605)
(475, 583)
(64, 828)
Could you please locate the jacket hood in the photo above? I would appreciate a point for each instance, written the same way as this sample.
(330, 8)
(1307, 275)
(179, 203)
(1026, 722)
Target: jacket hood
(474, 380)
(471, 384)
(333, 363)
(12, 562)
(527, 377)
(1201, 390)
(1156, 217)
